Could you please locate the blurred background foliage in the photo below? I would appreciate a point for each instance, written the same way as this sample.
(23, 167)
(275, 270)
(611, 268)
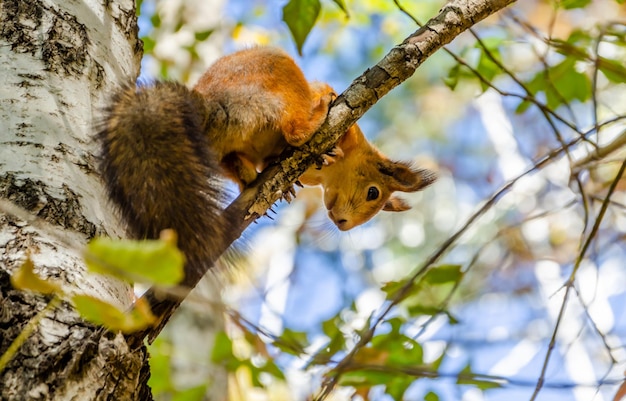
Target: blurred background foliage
(505, 280)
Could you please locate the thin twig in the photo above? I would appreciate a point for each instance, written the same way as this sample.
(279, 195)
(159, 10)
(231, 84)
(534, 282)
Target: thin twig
(570, 282)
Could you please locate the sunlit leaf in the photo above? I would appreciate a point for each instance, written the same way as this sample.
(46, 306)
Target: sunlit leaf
(398, 386)
(443, 274)
(155, 20)
(191, 394)
(431, 397)
(393, 288)
(106, 314)
(335, 344)
(148, 44)
(154, 261)
(322, 357)
(612, 70)
(561, 84)
(419, 309)
(395, 383)
(487, 68)
(523, 106)
(342, 5)
(569, 84)
(201, 36)
(222, 348)
(359, 378)
(300, 17)
(24, 278)
(292, 342)
(481, 384)
(273, 369)
(160, 380)
(138, 4)
(569, 4)
(452, 79)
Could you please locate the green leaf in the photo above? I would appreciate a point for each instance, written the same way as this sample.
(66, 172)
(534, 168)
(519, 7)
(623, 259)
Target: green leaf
(336, 343)
(300, 17)
(569, 84)
(273, 369)
(160, 380)
(148, 44)
(452, 79)
(292, 342)
(420, 309)
(443, 274)
(153, 261)
(138, 7)
(105, 314)
(24, 278)
(392, 289)
(202, 36)
(368, 378)
(431, 397)
(570, 4)
(191, 394)
(487, 69)
(342, 5)
(155, 20)
(322, 356)
(298, 338)
(397, 386)
(561, 83)
(523, 106)
(481, 384)
(612, 70)
(330, 326)
(222, 349)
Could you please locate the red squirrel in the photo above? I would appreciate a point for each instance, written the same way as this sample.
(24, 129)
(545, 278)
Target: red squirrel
(162, 143)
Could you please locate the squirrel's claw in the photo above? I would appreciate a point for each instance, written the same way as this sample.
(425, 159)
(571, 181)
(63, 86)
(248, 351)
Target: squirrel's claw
(329, 157)
(289, 194)
(335, 152)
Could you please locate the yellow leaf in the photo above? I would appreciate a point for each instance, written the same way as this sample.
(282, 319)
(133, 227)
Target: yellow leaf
(24, 278)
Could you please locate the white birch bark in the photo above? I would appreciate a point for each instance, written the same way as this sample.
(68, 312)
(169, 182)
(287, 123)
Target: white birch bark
(57, 59)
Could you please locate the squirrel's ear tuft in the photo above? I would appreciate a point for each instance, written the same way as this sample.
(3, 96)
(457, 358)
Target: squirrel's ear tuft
(395, 204)
(405, 178)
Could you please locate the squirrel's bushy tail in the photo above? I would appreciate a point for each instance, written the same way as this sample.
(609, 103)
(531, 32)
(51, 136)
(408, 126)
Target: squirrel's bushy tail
(159, 169)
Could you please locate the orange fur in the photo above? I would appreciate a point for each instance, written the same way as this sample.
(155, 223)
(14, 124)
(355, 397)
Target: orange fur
(259, 102)
(363, 170)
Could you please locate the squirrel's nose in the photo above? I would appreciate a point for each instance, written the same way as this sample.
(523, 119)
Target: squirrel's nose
(341, 223)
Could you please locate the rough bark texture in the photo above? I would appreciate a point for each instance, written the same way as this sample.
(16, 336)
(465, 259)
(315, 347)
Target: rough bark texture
(56, 60)
(65, 358)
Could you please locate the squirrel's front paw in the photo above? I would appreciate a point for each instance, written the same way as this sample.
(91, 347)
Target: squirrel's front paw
(324, 95)
(289, 194)
(330, 157)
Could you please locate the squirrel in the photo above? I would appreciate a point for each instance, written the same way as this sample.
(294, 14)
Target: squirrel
(162, 146)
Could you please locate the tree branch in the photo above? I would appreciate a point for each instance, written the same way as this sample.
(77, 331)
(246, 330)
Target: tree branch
(398, 65)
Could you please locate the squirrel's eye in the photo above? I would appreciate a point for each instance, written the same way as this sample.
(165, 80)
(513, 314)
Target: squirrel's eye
(372, 193)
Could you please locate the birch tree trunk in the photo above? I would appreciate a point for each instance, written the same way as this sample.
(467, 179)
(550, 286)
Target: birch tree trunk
(57, 59)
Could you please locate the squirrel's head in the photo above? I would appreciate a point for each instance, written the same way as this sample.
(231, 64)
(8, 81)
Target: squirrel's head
(363, 182)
